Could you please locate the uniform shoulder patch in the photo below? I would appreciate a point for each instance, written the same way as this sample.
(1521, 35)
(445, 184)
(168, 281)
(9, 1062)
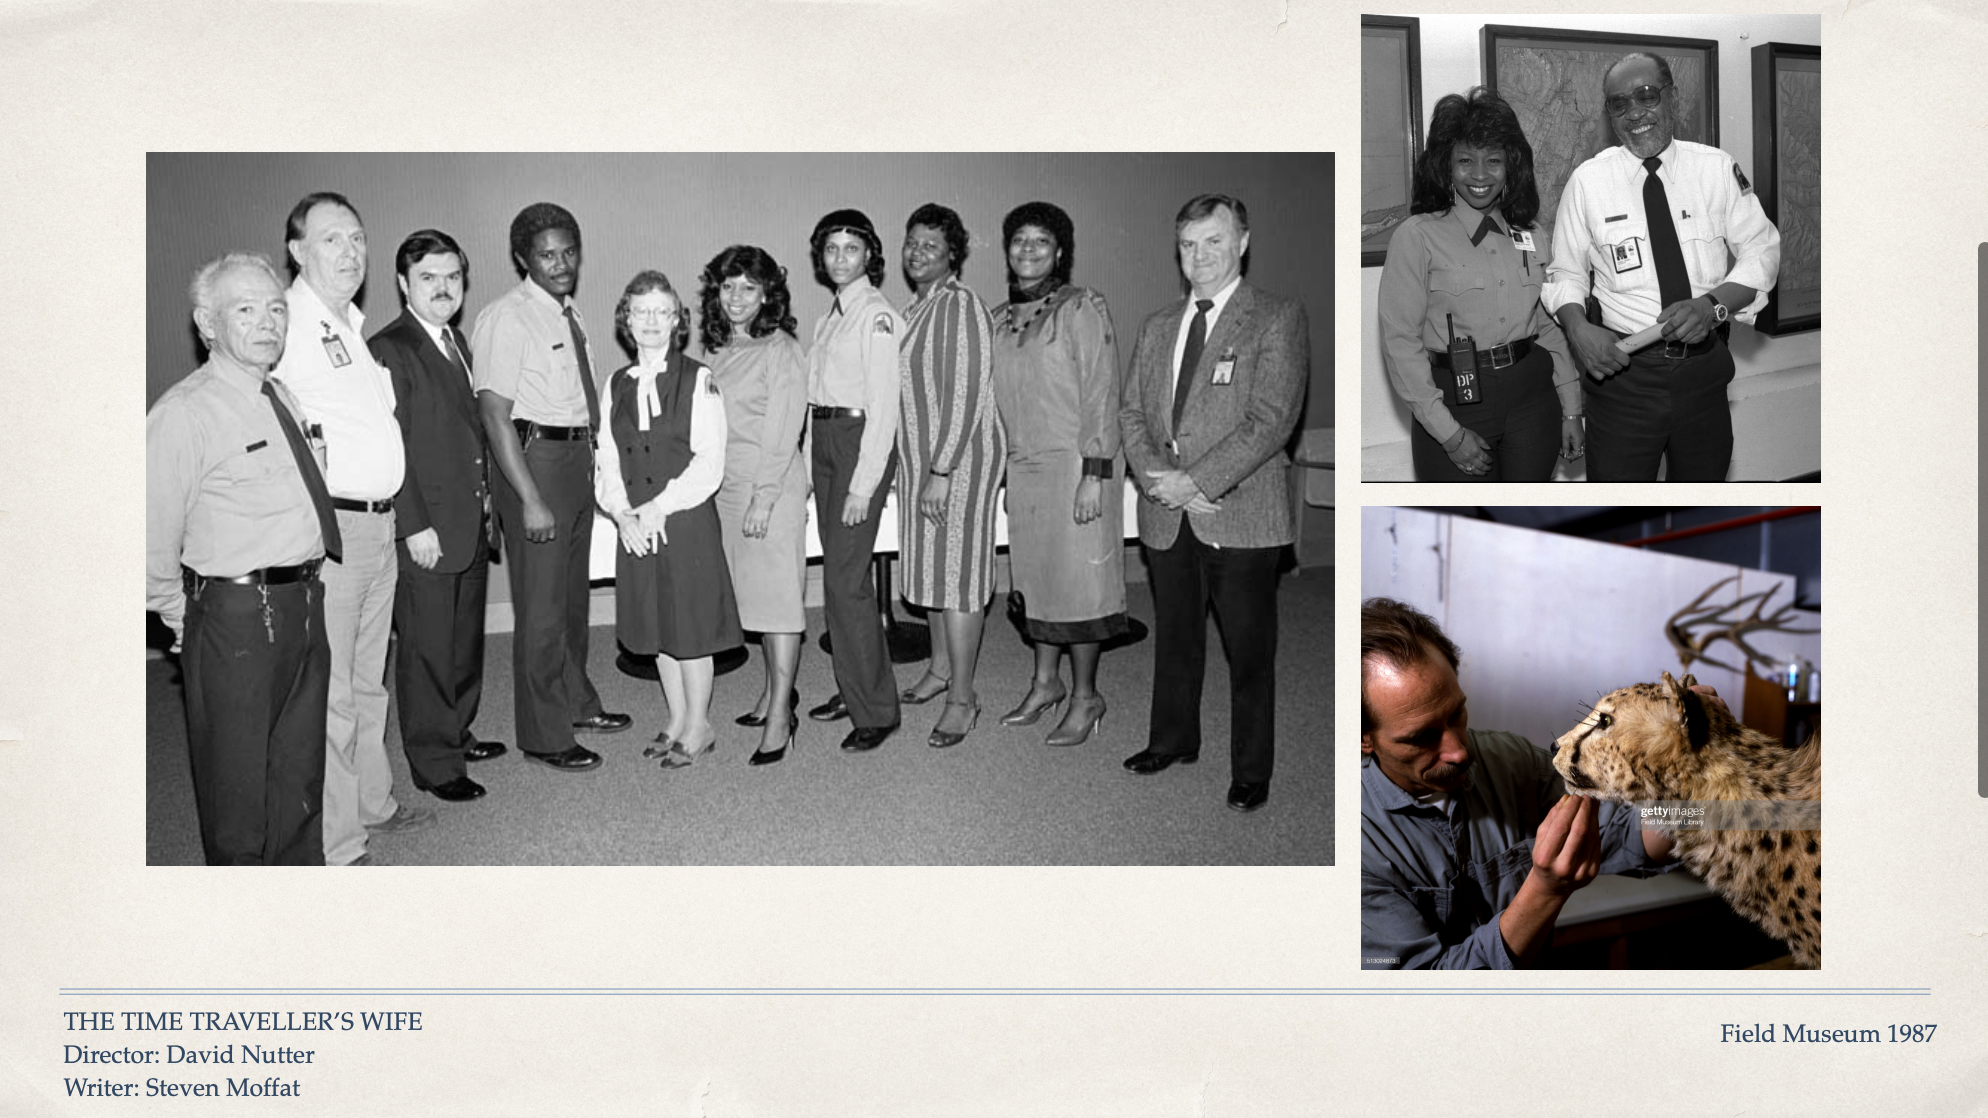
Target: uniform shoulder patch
(883, 326)
(1740, 177)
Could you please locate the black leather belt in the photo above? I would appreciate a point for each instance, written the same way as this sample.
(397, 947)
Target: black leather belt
(529, 430)
(193, 580)
(1497, 357)
(821, 412)
(350, 504)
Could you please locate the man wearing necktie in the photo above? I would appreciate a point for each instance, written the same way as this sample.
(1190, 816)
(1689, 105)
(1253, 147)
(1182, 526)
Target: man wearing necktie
(1215, 390)
(442, 518)
(348, 398)
(540, 405)
(237, 526)
(1663, 232)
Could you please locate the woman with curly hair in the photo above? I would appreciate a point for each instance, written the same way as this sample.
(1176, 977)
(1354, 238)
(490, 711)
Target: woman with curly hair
(1464, 338)
(953, 450)
(1056, 379)
(661, 458)
(748, 332)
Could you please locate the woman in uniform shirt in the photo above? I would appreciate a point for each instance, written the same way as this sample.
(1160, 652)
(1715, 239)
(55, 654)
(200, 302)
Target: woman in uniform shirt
(1460, 289)
(1056, 380)
(748, 332)
(661, 458)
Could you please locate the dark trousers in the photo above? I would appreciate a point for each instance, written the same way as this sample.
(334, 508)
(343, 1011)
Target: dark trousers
(849, 603)
(1241, 584)
(1662, 408)
(438, 664)
(257, 673)
(1519, 418)
(549, 594)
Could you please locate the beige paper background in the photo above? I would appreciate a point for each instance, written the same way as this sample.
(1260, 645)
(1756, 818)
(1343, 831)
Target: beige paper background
(87, 89)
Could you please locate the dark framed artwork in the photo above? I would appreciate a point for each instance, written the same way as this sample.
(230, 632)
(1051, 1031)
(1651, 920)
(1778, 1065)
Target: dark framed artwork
(1390, 127)
(1552, 77)
(1787, 168)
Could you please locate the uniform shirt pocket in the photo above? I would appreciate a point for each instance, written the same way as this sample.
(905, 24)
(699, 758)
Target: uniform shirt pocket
(1706, 256)
(1456, 282)
(1623, 250)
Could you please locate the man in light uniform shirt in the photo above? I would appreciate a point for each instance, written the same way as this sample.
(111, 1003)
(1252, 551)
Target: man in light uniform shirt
(1652, 221)
(348, 399)
(234, 539)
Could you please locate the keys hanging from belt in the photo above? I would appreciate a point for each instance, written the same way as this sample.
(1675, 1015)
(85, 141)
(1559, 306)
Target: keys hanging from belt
(1465, 385)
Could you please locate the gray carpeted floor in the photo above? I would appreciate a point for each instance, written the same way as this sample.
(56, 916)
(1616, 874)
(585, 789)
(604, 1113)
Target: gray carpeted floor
(999, 798)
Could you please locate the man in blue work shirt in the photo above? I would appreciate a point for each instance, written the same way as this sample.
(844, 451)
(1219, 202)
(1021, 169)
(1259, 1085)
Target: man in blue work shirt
(1469, 843)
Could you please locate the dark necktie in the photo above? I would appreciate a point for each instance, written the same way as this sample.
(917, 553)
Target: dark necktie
(586, 369)
(1488, 227)
(1673, 282)
(835, 306)
(307, 465)
(1190, 356)
(455, 354)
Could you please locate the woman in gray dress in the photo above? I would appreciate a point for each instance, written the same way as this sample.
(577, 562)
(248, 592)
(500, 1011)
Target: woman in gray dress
(1056, 379)
(747, 326)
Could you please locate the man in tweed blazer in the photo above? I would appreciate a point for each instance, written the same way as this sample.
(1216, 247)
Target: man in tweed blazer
(1215, 390)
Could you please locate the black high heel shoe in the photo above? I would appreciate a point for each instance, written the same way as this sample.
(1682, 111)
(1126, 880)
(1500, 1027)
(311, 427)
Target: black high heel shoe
(756, 720)
(775, 756)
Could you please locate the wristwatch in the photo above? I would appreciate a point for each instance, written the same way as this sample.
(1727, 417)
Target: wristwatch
(1719, 311)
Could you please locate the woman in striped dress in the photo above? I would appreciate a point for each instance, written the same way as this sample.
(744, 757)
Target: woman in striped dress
(953, 451)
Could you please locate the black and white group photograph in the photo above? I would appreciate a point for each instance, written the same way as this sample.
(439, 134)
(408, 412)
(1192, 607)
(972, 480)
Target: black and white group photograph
(739, 509)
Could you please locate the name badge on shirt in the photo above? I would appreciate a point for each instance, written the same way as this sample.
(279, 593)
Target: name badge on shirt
(1523, 239)
(1628, 255)
(334, 348)
(1225, 369)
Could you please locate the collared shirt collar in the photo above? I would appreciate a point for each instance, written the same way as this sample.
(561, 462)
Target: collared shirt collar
(534, 291)
(314, 306)
(1668, 155)
(1221, 297)
(236, 376)
(1471, 220)
(433, 331)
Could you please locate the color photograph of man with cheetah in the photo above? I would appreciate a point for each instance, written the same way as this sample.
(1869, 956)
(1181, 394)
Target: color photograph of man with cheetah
(1621, 813)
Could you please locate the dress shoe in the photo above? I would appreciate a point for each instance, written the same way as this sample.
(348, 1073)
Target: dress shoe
(763, 756)
(946, 739)
(679, 757)
(577, 759)
(862, 739)
(1146, 762)
(757, 719)
(1032, 707)
(927, 688)
(454, 791)
(664, 743)
(406, 817)
(485, 750)
(1083, 716)
(603, 723)
(1248, 797)
(830, 711)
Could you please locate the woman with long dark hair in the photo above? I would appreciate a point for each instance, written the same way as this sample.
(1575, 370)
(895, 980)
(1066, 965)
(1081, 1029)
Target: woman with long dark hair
(747, 326)
(1481, 364)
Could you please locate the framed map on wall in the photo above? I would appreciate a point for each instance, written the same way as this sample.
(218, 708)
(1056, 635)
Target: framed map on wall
(1552, 78)
(1787, 162)
(1390, 127)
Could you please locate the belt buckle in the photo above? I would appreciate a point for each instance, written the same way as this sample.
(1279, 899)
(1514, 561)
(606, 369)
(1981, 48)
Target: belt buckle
(1675, 350)
(1501, 355)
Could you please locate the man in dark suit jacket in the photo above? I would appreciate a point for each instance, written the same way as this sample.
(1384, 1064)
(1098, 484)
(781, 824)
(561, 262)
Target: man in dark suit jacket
(442, 516)
(1215, 390)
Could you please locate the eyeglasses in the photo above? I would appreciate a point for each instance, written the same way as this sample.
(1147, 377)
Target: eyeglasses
(651, 314)
(1647, 97)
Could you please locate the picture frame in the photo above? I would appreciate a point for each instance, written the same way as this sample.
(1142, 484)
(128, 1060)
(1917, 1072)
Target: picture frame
(1390, 127)
(1787, 167)
(1552, 77)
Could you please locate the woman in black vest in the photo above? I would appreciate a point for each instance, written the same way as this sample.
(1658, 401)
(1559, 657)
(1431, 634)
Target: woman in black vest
(661, 459)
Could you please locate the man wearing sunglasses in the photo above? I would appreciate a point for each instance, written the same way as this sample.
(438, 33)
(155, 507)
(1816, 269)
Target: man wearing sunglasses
(1660, 232)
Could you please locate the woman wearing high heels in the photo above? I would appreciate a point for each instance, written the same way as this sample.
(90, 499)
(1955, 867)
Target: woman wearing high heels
(1056, 378)
(661, 458)
(953, 450)
(748, 332)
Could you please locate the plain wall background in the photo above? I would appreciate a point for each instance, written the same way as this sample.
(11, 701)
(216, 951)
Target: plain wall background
(675, 212)
(1452, 62)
